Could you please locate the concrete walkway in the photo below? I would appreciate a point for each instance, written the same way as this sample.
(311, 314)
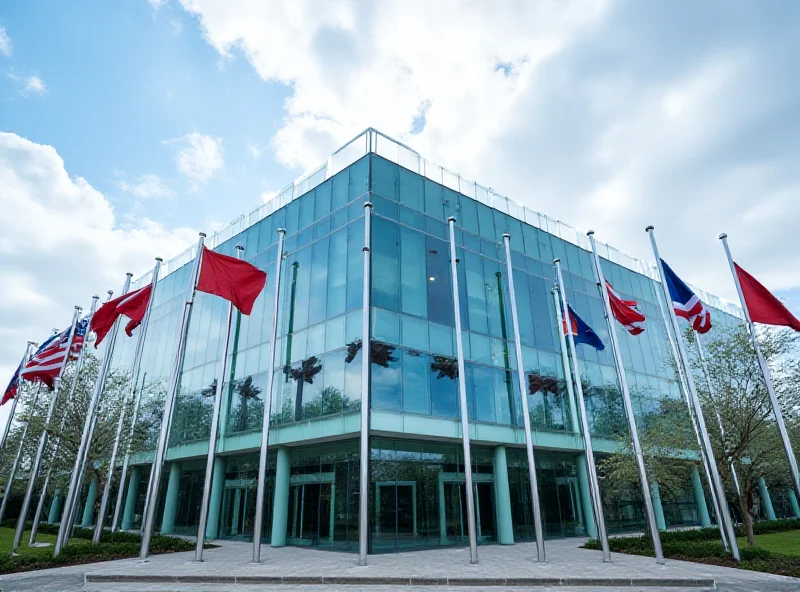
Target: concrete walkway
(503, 567)
(506, 566)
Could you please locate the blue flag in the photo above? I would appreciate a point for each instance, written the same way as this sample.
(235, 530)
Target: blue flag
(581, 332)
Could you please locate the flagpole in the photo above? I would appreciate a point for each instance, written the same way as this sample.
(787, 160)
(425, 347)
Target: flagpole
(462, 391)
(712, 393)
(212, 438)
(26, 504)
(574, 374)
(15, 465)
(776, 407)
(626, 400)
(526, 418)
(683, 358)
(29, 349)
(57, 443)
(169, 405)
(137, 356)
(258, 523)
(128, 446)
(76, 478)
(366, 353)
(703, 456)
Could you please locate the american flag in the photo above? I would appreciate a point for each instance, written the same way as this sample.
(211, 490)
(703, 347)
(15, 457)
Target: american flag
(48, 360)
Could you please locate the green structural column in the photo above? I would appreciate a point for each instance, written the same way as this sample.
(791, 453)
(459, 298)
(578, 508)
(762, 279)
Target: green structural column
(215, 502)
(280, 501)
(171, 500)
(131, 497)
(505, 527)
(88, 509)
(766, 500)
(55, 506)
(586, 497)
(655, 495)
(700, 499)
(793, 502)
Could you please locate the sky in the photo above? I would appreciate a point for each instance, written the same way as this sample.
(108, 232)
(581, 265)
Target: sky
(127, 127)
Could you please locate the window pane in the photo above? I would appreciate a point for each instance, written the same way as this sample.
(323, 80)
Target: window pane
(412, 273)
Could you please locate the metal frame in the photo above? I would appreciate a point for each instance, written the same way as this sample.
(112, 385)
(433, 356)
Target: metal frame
(26, 504)
(43, 495)
(169, 407)
(137, 356)
(526, 418)
(626, 400)
(258, 523)
(212, 438)
(705, 444)
(776, 407)
(575, 375)
(462, 391)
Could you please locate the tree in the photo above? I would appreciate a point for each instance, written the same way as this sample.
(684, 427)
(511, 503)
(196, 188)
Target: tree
(752, 442)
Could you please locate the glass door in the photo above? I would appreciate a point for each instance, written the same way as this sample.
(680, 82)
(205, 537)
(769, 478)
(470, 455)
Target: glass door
(311, 510)
(238, 501)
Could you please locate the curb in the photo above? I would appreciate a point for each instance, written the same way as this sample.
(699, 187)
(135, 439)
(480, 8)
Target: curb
(707, 583)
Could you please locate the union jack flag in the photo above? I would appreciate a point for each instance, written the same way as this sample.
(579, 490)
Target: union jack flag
(48, 360)
(685, 302)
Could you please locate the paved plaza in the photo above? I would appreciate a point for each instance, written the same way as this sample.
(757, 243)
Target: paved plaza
(501, 567)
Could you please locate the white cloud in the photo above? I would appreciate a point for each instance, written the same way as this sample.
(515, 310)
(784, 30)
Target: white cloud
(200, 158)
(28, 85)
(611, 115)
(157, 4)
(61, 243)
(5, 42)
(147, 185)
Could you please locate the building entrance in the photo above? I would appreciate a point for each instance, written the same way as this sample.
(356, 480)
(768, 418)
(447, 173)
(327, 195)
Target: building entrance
(453, 527)
(238, 501)
(311, 509)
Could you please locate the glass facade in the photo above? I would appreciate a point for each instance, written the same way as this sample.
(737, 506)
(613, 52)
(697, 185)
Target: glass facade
(416, 462)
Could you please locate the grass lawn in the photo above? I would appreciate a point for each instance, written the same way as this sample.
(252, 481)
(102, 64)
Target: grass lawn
(80, 549)
(7, 539)
(785, 543)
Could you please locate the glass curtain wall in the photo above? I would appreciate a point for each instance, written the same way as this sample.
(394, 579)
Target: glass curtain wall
(413, 313)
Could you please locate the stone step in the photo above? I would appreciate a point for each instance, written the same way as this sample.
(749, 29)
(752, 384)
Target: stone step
(575, 581)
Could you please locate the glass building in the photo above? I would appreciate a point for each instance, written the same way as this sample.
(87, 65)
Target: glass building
(416, 468)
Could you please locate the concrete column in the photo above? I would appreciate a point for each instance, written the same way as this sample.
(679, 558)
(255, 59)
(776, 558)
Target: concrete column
(766, 500)
(88, 509)
(655, 495)
(700, 499)
(280, 502)
(502, 497)
(55, 506)
(215, 501)
(171, 499)
(793, 502)
(131, 497)
(586, 497)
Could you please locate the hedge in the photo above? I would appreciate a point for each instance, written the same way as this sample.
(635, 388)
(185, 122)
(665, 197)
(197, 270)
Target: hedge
(704, 546)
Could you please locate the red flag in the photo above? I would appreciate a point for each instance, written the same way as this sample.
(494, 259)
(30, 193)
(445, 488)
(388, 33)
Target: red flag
(232, 279)
(762, 305)
(133, 305)
(625, 312)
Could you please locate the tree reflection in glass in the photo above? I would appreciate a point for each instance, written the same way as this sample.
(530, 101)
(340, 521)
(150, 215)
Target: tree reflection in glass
(308, 369)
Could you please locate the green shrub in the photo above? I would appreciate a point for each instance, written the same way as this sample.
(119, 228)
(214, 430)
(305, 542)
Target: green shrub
(704, 546)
